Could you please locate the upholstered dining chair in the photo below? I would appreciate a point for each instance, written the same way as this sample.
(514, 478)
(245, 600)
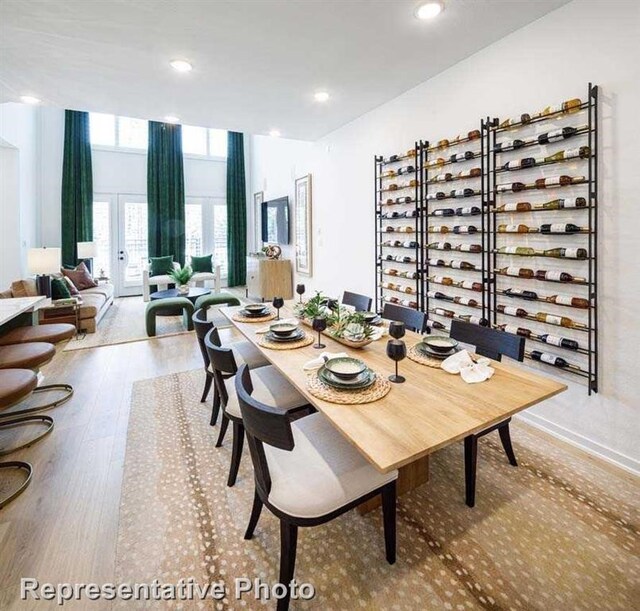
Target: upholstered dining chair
(270, 386)
(306, 473)
(493, 344)
(412, 319)
(361, 303)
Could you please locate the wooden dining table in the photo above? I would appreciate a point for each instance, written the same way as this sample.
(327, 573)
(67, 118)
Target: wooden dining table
(429, 411)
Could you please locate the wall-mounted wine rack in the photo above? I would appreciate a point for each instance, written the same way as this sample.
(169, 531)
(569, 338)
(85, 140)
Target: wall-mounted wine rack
(529, 185)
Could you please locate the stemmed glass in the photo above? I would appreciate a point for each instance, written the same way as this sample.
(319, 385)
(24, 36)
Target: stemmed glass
(396, 329)
(319, 324)
(396, 351)
(278, 302)
(300, 290)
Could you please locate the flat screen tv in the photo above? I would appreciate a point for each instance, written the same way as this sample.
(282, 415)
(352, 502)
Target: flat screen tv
(275, 221)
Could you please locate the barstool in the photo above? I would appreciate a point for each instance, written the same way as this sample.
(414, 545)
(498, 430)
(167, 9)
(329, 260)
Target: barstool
(51, 334)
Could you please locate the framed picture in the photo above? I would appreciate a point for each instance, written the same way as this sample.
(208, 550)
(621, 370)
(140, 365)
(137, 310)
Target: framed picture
(258, 198)
(302, 225)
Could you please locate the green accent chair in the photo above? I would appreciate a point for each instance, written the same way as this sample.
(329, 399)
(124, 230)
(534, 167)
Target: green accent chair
(167, 307)
(206, 301)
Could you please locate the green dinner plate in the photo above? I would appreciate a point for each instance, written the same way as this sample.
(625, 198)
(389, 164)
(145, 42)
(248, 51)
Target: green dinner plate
(368, 378)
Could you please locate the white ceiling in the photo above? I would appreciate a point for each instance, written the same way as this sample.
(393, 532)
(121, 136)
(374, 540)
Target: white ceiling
(256, 63)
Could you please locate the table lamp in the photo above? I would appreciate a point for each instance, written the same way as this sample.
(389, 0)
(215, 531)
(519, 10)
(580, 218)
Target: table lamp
(41, 262)
(86, 252)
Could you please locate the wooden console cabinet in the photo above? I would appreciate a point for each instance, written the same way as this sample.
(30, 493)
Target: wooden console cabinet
(269, 278)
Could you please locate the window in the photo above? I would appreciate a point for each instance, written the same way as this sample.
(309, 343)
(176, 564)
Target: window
(206, 230)
(121, 132)
(102, 238)
(193, 229)
(203, 141)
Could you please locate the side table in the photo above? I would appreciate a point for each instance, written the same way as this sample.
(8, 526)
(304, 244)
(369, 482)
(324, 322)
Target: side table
(66, 312)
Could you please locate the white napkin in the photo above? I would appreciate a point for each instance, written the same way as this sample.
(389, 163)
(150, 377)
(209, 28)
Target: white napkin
(293, 321)
(379, 332)
(472, 373)
(321, 360)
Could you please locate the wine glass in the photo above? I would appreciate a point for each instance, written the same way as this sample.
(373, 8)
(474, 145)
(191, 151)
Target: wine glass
(278, 302)
(300, 290)
(396, 351)
(319, 324)
(396, 329)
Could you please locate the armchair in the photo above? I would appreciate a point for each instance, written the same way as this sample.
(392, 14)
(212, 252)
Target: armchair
(162, 282)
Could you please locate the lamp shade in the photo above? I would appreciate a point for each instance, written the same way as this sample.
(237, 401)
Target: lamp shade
(44, 260)
(86, 250)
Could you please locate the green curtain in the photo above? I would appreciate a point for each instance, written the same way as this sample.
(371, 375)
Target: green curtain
(77, 185)
(236, 210)
(165, 191)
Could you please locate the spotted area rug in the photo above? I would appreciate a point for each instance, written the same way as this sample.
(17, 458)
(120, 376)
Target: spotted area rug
(558, 532)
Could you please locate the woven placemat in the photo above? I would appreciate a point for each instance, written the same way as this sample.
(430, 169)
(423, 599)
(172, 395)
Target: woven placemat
(348, 397)
(301, 343)
(415, 355)
(239, 318)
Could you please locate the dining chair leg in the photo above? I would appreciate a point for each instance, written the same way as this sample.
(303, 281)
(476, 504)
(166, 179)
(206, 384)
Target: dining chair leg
(255, 515)
(505, 437)
(470, 464)
(236, 452)
(207, 387)
(389, 520)
(216, 407)
(223, 429)
(288, 544)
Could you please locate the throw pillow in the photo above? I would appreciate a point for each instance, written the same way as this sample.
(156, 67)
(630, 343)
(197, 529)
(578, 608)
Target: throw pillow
(59, 289)
(160, 266)
(24, 288)
(72, 287)
(80, 277)
(202, 264)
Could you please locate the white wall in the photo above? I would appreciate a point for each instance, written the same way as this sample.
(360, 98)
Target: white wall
(546, 62)
(19, 200)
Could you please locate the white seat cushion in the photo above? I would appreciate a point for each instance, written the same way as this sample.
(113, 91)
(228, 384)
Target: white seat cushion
(268, 387)
(246, 352)
(322, 473)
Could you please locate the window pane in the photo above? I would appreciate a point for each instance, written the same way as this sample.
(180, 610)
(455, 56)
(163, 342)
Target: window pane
(194, 140)
(135, 241)
(193, 230)
(132, 133)
(218, 142)
(102, 239)
(220, 237)
(103, 129)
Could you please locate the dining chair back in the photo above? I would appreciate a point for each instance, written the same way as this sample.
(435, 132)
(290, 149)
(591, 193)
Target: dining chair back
(412, 319)
(489, 342)
(223, 363)
(203, 327)
(361, 303)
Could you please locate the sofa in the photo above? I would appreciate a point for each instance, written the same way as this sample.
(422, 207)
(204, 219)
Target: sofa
(163, 281)
(95, 300)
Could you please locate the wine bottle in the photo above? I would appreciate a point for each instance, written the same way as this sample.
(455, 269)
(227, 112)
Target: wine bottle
(472, 173)
(437, 295)
(392, 187)
(568, 228)
(438, 229)
(462, 265)
(409, 214)
(468, 248)
(410, 153)
(411, 275)
(575, 302)
(407, 289)
(390, 286)
(405, 229)
(582, 152)
(517, 272)
(552, 359)
(468, 211)
(404, 200)
(473, 134)
(436, 262)
(515, 207)
(557, 204)
(512, 186)
(476, 320)
(461, 156)
(462, 193)
(390, 271)
(412, 183)
(393, 299)
(557, 181)
(387, 202)
(557, 340)
(558, 276)
(443, 312)
(470, 285)
(558, 134)
(438, 195)
(442, 177)
(391, 159)
(444, 280)
(440, 245)
(515, 330)
(561, 321)
(435, 162)
(467, 301)
(409, 303)
(388, 174)
(434, 324)
(443, 212)
(517, 164)
(406, 170)
(566, 253)
(525, 251)
(389, 229)
(503, 228)
(397, 243)
(389, 258)
(509, 144)
(465, 229)
(523, 118)
(405, 259)
(442, 144)
(529, 295)
(512, 311)
(391, 215)
(410, 244)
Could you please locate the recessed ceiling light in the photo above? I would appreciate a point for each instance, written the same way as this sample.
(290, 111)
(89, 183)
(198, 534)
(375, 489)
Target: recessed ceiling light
(429, 10)
(274, 133)
(29, 99)
(181, 65)
(171, 119)
(321, 96)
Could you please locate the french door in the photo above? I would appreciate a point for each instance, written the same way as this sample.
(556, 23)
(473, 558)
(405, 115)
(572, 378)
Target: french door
(120, 233)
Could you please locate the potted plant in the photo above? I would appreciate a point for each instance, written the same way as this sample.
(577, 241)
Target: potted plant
(181, 276)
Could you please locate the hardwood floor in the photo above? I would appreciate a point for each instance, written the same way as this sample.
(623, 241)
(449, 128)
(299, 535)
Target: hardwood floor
(63, 528)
